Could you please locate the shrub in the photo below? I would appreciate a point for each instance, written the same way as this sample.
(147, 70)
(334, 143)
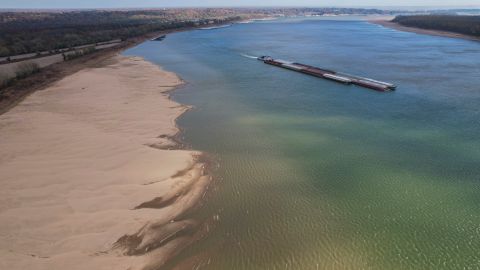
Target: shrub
(26, 69)
(5, 80)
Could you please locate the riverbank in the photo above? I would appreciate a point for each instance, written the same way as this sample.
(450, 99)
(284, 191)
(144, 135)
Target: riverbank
(87, 179)
(400, 27)
(55, 71)
(12, 95)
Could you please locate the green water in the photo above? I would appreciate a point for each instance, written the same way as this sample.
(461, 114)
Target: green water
(318, 175)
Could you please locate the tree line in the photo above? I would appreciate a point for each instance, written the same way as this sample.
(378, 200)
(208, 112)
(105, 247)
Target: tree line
(31, 32)
(468, 25)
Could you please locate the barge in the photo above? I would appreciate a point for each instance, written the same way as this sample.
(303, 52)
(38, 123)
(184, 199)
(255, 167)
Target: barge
(160, 38)
(329, 74)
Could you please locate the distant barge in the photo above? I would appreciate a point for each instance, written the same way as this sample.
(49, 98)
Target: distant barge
(160, 38)
(329, 74)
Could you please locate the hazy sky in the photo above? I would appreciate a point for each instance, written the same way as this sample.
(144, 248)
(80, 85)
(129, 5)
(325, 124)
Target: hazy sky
(183, 3)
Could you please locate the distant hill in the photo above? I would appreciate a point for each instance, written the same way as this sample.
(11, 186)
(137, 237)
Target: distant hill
(462, 24)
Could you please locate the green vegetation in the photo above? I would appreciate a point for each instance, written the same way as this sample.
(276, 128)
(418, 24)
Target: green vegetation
(468, 25)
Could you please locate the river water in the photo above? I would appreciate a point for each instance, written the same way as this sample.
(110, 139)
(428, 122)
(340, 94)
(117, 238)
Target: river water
(319, 175)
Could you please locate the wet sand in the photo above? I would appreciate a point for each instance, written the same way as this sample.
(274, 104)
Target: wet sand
(396, 26)
(87, 178)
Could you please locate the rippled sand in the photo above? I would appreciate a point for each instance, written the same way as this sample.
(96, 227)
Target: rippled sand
(86, 179)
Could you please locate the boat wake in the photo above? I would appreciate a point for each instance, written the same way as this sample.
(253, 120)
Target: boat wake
(215, 27)
(249, 56)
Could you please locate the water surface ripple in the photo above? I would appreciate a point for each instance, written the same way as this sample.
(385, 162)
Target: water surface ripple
(317, 175)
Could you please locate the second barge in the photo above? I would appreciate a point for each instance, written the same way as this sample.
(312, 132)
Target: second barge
(330, 74)
(160, 38)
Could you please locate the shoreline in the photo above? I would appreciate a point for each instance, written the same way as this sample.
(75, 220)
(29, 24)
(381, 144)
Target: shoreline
(12, 95)
(93, 176)
(399, 27)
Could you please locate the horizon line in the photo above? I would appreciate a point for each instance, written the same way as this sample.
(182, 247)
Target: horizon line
(243, 7)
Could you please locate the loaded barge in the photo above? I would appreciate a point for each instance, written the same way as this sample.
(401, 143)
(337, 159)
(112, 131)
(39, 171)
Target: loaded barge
(329, 74)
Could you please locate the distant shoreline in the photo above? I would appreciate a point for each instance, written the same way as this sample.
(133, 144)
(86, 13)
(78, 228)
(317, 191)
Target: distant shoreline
(422, 31)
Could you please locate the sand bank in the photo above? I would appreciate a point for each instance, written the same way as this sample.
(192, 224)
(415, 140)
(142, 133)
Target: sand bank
(400, 27)
(86, 180)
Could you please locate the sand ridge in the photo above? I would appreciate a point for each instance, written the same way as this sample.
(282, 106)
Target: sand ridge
(87, 180)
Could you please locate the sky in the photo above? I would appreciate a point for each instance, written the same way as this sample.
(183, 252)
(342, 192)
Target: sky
(50, 4)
